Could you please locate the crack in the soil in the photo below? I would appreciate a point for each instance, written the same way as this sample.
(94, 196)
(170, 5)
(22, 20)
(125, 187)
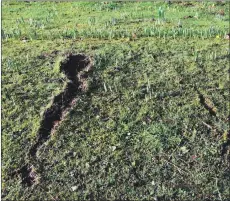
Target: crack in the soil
(75, 68)
(28, 175)
(225, 146)
(203, 102)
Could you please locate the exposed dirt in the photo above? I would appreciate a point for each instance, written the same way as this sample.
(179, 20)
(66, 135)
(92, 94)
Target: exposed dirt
(75, 68)
(187, 4)
(28, 175)
(187, 17)
(225, 147)
(227, 36)
(207, 106)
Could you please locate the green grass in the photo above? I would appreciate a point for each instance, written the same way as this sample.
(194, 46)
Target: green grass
(140, 132)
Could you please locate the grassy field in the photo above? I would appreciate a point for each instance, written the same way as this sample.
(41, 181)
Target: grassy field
(148, 118)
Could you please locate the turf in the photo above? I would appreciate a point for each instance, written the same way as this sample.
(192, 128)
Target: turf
(154, 121)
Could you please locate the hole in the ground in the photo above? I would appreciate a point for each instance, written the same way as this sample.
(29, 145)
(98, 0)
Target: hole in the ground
(28, 175)
(73, 66)
(226, 146)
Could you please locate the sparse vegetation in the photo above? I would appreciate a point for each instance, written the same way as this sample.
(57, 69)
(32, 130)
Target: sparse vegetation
(153, 122)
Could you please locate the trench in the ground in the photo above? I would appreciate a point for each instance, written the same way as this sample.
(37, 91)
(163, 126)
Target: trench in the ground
(72, 68)
(75, 67)
(226, 145)
(206, 106)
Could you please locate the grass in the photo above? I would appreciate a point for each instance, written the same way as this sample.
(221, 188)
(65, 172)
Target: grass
(141, 131)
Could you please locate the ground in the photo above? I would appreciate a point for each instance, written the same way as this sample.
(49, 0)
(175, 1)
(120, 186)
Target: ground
(148, 121)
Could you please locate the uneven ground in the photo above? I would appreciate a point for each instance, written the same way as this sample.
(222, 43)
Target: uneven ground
(115, 101)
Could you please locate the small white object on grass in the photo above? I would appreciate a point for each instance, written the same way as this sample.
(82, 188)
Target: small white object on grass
(74, 188)
(184, 150)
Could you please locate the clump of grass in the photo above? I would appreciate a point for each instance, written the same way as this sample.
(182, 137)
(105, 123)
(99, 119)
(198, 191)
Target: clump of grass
(161, 13)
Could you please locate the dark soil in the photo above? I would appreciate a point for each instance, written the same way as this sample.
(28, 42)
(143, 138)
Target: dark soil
(72, 68)
(75, 68)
